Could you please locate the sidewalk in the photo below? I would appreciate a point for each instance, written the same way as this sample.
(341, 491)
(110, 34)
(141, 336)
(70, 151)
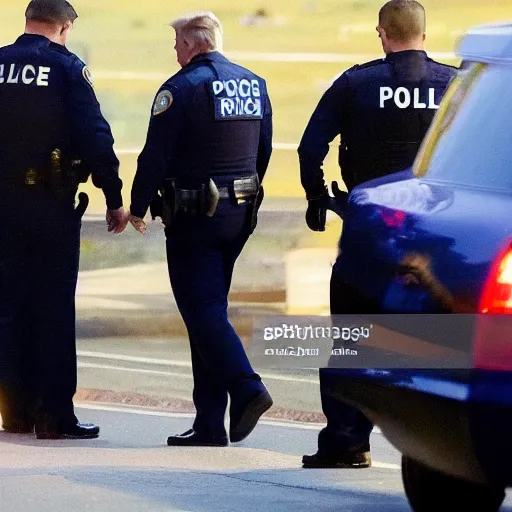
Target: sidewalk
(138, 301)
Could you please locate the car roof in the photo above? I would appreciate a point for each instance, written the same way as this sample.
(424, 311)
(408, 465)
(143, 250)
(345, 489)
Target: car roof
(491, 43)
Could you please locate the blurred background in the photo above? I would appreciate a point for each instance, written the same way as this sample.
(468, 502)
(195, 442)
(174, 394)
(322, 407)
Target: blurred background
(299, 47)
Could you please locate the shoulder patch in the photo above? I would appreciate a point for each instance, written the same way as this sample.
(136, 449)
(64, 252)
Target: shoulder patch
(162, 102)
(87, 76)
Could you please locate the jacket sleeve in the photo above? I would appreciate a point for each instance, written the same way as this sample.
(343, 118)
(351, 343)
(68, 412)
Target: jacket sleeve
(92, 135)
(155, 162)
(325, 124)
(265, 144)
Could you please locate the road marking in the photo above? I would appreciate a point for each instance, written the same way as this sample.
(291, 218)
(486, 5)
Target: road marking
(177, 415)
(385, 465)
(181, 364)
(134, 359)
(133, 370)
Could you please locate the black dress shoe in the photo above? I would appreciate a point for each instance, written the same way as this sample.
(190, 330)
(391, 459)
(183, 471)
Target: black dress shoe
(244, 418)
(354, 459)
(19, 427)
(192, 438)
(78, 431)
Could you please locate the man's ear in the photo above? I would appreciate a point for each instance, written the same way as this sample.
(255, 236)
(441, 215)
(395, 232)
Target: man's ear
(424, 37)
(66, 27)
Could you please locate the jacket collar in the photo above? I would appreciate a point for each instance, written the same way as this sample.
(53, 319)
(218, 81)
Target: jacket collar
(208, 57)
(28, 39)
(405, 54)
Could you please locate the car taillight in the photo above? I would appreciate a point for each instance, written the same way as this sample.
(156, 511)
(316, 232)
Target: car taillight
(492, 349)
(392, 218)
(497, 296)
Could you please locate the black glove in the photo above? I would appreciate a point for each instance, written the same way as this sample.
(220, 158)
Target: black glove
(316, 213)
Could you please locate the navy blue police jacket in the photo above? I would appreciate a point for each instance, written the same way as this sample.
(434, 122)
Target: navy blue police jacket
(47, 102)
(212, 118)
(381, 110)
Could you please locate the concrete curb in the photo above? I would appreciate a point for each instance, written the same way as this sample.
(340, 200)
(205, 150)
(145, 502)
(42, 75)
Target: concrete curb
(177, 405)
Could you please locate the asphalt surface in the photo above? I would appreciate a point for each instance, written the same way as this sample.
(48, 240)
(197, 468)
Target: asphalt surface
(161, 367)
(130, 468)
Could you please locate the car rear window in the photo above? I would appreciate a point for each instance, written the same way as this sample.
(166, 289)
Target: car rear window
(470, 140)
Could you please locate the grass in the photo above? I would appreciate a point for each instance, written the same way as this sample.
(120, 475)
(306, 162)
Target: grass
(132, 36)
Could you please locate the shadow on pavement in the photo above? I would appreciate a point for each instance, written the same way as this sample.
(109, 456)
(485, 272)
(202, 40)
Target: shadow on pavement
(202, 491)
(30, 440)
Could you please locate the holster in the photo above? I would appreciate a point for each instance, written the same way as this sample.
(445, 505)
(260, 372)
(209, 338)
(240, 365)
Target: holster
(83, 203)
(78, 171)
(164, 205)
(255, 206)
(347, 166)
(156, 206)
(246, 189)
(199, 200)
(64, 177)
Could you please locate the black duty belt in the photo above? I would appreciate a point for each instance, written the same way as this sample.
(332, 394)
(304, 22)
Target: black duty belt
(241, 189)
(29, 177)
(204, 198)
(32, 177)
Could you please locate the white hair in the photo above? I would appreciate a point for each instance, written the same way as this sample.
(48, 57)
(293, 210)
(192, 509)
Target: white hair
(202, 28)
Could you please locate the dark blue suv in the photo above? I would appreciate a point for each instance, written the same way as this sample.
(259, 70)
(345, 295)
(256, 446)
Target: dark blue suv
(437, 239)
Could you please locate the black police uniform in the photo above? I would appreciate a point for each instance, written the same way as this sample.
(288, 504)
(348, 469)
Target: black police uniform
(382, 110)
(212, 120)
(47, 103)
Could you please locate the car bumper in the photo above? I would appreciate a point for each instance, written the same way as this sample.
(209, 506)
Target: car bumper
(435, 421)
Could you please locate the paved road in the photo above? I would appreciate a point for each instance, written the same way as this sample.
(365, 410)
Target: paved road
(161, 367)
(129, 468)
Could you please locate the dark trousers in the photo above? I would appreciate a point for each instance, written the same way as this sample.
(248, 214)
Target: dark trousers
(39, 259)
(201, 254)
(347, 427)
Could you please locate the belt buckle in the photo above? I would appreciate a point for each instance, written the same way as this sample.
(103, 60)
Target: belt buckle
(31, 177)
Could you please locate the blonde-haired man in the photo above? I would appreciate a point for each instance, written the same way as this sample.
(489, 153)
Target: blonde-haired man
(208, 148)
(203, 29)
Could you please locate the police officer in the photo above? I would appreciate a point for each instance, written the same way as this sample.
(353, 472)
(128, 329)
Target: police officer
(52, 134)
(382, 111)
(208, 148)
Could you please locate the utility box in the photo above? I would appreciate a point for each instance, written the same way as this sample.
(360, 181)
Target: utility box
(308, 276)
